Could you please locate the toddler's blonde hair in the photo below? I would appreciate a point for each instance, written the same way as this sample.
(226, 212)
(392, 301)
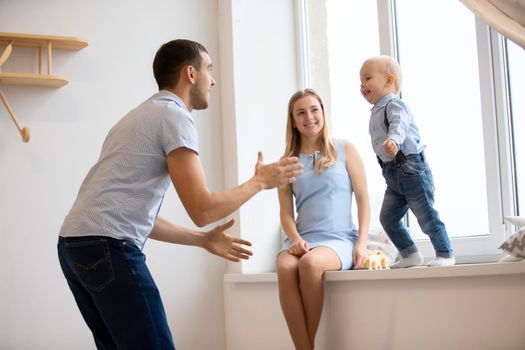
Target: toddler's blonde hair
(389, 66)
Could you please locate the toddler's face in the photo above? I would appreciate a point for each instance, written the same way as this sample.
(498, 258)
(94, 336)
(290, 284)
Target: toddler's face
(374, 82)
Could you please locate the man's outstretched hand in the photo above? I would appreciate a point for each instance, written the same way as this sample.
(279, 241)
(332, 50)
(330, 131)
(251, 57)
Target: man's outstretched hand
(220, 243)
(280, 173)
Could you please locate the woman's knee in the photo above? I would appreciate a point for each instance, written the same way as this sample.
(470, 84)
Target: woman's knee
(311, 265)
(287, 266)
(317, 261)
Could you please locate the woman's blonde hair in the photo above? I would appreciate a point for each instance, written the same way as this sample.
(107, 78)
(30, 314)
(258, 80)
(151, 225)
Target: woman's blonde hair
(327, 149)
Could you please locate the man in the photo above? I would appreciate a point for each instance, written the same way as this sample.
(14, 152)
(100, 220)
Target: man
(116, 208)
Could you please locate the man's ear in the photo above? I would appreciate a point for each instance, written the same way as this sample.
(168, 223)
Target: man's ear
(189, 73)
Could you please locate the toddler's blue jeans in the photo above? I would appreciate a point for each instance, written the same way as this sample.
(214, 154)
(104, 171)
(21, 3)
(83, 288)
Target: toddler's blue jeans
(411, 186)
(115, 293)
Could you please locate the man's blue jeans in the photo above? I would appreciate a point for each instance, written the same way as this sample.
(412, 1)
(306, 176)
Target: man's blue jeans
(411, 186)
(115, 293)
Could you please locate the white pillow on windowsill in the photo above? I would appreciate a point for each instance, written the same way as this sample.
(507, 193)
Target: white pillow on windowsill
(518, 221)
(515, 244)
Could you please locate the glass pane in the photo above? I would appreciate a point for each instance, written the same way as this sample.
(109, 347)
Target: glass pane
(342, 35)
(516, 57)
(441, 85)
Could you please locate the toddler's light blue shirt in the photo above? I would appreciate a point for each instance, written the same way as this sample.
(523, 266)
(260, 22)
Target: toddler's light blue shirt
(402, 129)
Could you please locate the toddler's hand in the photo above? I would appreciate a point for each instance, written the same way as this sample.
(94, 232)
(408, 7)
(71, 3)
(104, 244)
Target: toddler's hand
(390, 147)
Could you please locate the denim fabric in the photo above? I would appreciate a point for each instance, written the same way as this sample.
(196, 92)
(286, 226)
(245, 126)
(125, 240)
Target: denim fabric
(411, 186)
(115, 293)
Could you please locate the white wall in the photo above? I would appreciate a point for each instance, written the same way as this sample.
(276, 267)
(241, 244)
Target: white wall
(460, 307)
(39, 180)
(261, 77)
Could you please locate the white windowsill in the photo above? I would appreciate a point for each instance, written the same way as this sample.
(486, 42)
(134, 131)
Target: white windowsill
(467, 270)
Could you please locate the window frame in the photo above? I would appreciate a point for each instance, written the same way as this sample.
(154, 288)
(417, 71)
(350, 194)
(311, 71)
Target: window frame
(496, 121)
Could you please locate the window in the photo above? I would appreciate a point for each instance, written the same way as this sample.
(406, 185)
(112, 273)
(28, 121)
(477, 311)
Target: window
(516, 59)
(335, 59)
(441, 85)
(453, 81)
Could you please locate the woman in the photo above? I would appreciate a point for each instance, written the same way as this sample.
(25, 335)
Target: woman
(323, 237)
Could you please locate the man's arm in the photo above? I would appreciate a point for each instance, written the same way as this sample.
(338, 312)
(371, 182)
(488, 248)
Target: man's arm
(216, 241)
(205, 207)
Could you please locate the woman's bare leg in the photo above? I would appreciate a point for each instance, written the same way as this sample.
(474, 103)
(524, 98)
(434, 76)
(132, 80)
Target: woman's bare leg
(312, 265)
(291, 302)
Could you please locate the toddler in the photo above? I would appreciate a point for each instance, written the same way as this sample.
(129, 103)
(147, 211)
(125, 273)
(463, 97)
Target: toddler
(397, 144)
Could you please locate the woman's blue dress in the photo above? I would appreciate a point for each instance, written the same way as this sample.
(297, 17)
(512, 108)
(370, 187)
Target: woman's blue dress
(324, 206)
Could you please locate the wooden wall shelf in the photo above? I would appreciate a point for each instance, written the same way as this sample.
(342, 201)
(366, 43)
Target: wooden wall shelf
(40, 79)
(37, 40)
(28, 79)
(41, 42)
